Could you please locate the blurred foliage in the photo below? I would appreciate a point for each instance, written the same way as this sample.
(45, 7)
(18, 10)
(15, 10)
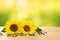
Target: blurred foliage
(56, 18)
(51, 19)
(4, 16)
(43, 13)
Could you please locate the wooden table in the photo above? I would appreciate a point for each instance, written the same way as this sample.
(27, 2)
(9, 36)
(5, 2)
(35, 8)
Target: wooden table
(53, 33)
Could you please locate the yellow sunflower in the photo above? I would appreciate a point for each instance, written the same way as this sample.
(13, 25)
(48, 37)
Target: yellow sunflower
(28, 27)
(12, 27)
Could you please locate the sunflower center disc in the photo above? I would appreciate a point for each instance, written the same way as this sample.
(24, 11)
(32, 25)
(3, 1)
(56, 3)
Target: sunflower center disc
(27, 28)
(14, 27)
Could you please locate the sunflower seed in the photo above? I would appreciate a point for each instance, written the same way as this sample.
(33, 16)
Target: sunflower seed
(31, 34)
(9, 35)
(1, 34)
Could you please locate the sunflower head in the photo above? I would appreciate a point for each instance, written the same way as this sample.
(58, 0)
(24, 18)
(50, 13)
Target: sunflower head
(28, 27)
(13, 27)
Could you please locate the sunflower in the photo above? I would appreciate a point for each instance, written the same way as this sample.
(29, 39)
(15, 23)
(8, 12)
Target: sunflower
(13, 27)
(28, 27)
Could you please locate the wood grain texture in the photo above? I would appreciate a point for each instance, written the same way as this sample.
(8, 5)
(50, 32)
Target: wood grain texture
(53, 33)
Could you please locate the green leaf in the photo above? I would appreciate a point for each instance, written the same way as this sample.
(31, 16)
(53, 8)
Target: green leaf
(38, 30)
(3, 30)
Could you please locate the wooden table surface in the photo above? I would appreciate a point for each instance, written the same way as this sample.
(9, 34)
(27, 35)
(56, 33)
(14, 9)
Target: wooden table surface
(53, 33)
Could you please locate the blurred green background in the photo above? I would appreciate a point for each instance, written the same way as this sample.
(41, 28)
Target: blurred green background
(41, 12)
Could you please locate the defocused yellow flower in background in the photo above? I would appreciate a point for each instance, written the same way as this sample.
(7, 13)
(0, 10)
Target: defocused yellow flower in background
(28, 27)
(13, 27)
